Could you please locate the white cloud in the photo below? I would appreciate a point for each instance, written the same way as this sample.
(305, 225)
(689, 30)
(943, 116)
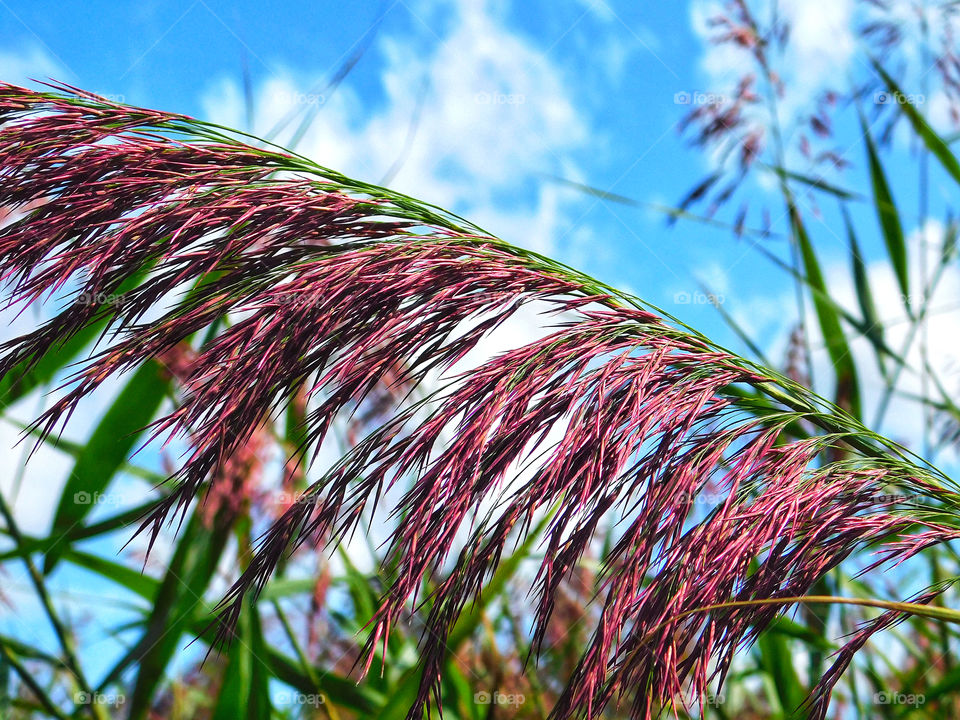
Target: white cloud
(33, 506)
(904, 418)
(34, 63)
(821, 47)
(496, 113)
(822, 42)
(715, 277)
(773, 315)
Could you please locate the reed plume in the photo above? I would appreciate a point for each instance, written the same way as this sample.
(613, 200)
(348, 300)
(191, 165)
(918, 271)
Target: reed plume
(159, 228)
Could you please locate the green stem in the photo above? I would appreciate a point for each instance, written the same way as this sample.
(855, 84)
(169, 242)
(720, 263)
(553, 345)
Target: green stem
(932, 612)
(66, 643)
(27, 679)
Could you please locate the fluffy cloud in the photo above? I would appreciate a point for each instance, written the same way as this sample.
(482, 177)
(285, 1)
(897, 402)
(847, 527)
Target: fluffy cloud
(904, 418)
(33, 63)
(821, 53)
(821, 48)
(495, 112)
(492, 113)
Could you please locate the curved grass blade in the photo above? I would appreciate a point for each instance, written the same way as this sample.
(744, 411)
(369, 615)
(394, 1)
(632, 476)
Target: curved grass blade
(106, 451)
(847, 388)
(888, 216)
(935, 144)
(873, 325)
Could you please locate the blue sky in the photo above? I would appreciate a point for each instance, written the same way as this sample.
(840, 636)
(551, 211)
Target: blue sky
(474, 105)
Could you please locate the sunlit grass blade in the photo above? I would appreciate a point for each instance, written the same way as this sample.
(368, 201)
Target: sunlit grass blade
(936, 144)
(888, 216)
(847, 389)
(873, 325)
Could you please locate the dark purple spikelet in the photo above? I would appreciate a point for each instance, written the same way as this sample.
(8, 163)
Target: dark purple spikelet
(159, 227)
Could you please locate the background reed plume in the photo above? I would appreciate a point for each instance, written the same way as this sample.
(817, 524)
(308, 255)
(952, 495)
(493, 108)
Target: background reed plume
(732, 490)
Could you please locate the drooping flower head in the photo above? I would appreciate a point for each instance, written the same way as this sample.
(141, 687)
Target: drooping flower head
(158, 229)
